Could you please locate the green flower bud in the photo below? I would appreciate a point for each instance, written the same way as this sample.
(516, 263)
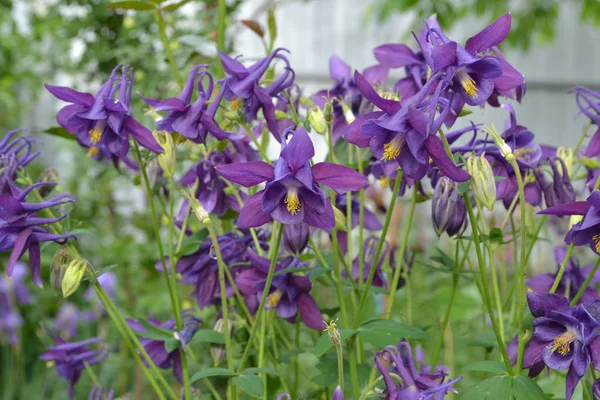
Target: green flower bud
(196, 207)
(340, 219)
(328, 112)
(59, 265)
(505, 149)
(316, 118)
(166, 159)
(568, 156)
(279, 115)
(482, 180)
(73, 275)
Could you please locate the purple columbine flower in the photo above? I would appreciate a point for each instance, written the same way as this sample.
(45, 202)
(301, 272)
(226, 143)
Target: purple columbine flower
(563, 338)
(292, 194)
(242, 87)
(448, 209)
(103, 122)
(559, 190)
(13, 292)
(573, 278)
(338, 394)
(288, 295)
(66, 322)
(21, 229)
(156, 348)
(192, 120)
(201, 268)
(18, 147)
(369, 250)
(586, 232)
(404, 133)
(69, 358)
(588, 102)
(413, 385)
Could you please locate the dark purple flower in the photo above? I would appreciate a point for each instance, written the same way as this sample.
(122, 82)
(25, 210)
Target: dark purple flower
(66, 322)
(99, 393)
(13, 292)
(295, 238)
(103, 122)
(588, 102)
(413, 385)
(448, 209)
(242, 87)
(289, 293)
(201, 268)
(559, 190)
(586, 232)
(22, 230)
(573, 278)
(69, 359)
(369, 250)
(157, 350)
(17, 147)
(563, 338)
(292, 194)
(192, 120)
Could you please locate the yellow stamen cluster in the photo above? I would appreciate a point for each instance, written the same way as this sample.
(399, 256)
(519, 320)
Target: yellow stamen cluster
(390, 151)
(96, 132)
(333, 332)
(292, 201)
(236, 103)
(596, 239)
(562, 343)
(93, 151)
(274, 298)
(384, 181)
(467, 83)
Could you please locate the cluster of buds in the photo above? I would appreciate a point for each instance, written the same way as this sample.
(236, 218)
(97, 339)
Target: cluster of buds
(166, 159)
(67, 272)
(482, 180)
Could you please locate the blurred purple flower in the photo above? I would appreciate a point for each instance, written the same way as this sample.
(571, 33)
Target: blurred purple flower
(289, 293)
(66, 322)
(69, 359)
(13, 292)
(99, 393)
(292, 194)
(588, 102)
(559, 190)
(103, 122)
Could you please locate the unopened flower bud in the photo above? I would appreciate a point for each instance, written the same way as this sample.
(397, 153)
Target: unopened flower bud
(447, 207)
(348, 114)
(328, 112)
(568, 156)
(316, 118)
(166, 159)
(231, 115)
(185, 335)
(279, 115)
(333, 332)
(295, 237)
(505, 149)
(73, 275)
(196, 207)
(59, 265)
(340, 219)
(49, 175)
(482, 180)
(338, 394)
(218, 351)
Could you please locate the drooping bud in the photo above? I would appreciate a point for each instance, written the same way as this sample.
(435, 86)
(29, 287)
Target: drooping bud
(482, 180)
(560, 190)
(49, 175)
(340, 219)
(295, 237)
(316, 118)
(218, 351)
(568, 156)
(195, 206)
(185, 335)
(505, 149)
(338, 394)
(447, 207)
(60, 262)
(166, 159)
(73, 275)
(280, 115)
(328, 112)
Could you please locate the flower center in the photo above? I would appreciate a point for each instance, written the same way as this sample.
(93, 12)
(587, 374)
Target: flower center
(236, 103)
(274, 298)
(467, 83)
(93, 151)
(292, 201)
(384, 181)
(96, 131)
(562, 343)
(596, 239)
(392, 149)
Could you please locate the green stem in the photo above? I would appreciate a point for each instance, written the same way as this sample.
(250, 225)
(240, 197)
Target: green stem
(361, 221)
(263, 299)
(221, 24)
(386, 225)
(162, 30)
(582, 138)
(401, 255)
(340, 358)
(586, 283)
(248, 129)
(484, 284)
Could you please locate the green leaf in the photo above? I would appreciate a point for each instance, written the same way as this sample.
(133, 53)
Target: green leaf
(504, 387)
(209, 336)
(171, 344)
(251, 384)
(524, 388)
(495, 367)
(130, 5)
(272, 25)
(267, 371)
(59, 132)
(324, 343)
(383, 332)
(191, 244)
(175, 6)
(154, 332)
(208, 372)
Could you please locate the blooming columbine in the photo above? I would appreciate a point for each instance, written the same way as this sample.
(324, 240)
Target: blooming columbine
(242, 87)
(573, 278)
(586, 232)
(292, 194)
(103, 122)
(289, 293)
(413, 385)
(69, 359)
(563, 338)
(192, 120)
(588, 102)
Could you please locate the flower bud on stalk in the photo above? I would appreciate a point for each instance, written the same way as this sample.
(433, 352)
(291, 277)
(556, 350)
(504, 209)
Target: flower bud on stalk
(295, 237)
(447, 207)
(49, 175)
(166, 159)
(505, 149)
(338, 394)
(482, 180)
(568, 156)
(217, 351)
(328, 113)
(196, 207)
(316, 118)
(60, 262)
(73, 275)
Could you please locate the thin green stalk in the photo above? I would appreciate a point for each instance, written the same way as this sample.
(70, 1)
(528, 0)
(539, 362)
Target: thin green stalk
(263, 153)
(361, 221)
(401, 256)
(582, 138)
(162, 30)
(263, 299)
(340, 359)
(386, 225)
(563, 267)
(484, 285)
(586, 283)
(224, 308)
(221, 24)
(536, 235)
(296, 361)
